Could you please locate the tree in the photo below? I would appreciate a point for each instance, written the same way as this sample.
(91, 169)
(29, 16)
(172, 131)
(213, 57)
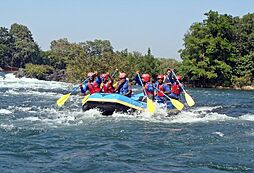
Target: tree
(6, 46)
(214, 47)
(25, 49)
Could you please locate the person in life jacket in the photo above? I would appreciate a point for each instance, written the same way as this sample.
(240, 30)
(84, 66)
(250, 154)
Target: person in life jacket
(92, 85)
(164, 88)
(123, 86)
(176, 89)
(148, 86)
(97, 77)
(168, 78)
(107, 83)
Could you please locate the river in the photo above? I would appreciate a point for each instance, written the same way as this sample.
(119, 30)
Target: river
(216, 135)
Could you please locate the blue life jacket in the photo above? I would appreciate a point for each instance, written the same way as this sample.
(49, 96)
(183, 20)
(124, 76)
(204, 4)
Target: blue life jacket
(123, 88)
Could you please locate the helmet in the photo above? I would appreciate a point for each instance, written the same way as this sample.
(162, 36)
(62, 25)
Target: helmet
(179, 78)
(146, 77)
(161, 76)
(90, 74)
(104, 76)
(122, 75)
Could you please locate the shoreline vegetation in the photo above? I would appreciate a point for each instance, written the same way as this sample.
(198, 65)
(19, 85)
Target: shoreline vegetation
(218, 52)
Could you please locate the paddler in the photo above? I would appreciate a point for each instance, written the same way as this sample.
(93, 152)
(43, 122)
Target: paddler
(107, 83)
(123, 86)
(92, 85)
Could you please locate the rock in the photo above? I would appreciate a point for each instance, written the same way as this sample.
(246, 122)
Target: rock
(20, 73)
(251, 87)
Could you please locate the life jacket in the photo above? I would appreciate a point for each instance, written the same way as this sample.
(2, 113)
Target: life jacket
(161, 88)
(149, 93)
(93, 87)
(123, 88)
(176, 89)
(107, 87)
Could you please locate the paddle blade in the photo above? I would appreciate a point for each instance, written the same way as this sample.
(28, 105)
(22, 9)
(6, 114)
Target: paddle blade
(150, 106)
(62, 100)
(114, 85)
(85, 99)
(177, 104)
(189, 99)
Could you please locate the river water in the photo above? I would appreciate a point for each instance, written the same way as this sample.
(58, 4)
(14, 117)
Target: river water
(216, 135)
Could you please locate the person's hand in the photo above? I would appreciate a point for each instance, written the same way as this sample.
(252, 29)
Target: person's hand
(96, 73)
(143, 88)
(120, 82)
(80, 85)
(107, 73)
(137, 72)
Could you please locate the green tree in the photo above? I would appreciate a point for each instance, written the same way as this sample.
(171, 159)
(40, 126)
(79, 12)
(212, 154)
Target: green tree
(6, 47)
(25, 48)
(214, 47)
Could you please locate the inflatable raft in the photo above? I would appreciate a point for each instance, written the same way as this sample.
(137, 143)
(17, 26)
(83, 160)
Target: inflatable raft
(110, 103)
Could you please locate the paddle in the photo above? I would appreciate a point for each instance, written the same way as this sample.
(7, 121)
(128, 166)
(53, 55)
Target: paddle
(177, 104)
(85, 99)
(60, 102)
(149, 102)
(188, 98)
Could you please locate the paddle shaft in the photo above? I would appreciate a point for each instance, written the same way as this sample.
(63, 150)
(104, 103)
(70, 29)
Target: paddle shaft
(76, 87)
(114, 73)
(178, 81)
(142, 84)
(162, 93)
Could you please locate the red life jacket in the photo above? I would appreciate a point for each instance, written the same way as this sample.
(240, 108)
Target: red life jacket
(108, 87)
(93, 87)
(149, 93)
(176, 89)
(160, 87)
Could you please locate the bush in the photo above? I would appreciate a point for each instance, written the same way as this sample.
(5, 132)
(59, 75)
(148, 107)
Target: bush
(243, 80)
(38, 71)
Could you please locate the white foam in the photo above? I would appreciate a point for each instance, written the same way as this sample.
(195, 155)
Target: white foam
(12, 82)
(248, 117)
(218, 133)
(5, 111)
(8, 127)
(194, 117)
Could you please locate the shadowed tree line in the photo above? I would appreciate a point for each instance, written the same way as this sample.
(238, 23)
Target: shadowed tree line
(217, 51)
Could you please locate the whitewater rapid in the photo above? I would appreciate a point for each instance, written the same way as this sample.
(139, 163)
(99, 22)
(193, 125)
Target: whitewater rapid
(48, 114)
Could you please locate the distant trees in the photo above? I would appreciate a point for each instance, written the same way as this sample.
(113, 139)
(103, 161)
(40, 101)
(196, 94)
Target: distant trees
(219, 50)
(79, 59)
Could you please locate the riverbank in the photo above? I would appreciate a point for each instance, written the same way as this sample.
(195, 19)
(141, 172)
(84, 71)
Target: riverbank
(60, 76)
(247, 87)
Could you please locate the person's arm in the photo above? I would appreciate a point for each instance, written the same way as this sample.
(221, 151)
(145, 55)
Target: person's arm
(111, 78)
(83, 88)
(150, 88)
(129, 90)
(170, 77)
(117, 87)
(166, 89)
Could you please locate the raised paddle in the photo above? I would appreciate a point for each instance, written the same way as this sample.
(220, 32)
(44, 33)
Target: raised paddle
(177, 104)
(60, 102)
(150, 104)
(188, 98)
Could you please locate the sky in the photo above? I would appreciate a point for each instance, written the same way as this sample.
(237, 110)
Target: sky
(133, 24)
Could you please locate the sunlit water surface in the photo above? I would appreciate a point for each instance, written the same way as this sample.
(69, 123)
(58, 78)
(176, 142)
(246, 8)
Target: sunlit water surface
(216, 135)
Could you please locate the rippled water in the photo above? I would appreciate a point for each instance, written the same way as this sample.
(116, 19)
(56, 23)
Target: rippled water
(216, 135)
